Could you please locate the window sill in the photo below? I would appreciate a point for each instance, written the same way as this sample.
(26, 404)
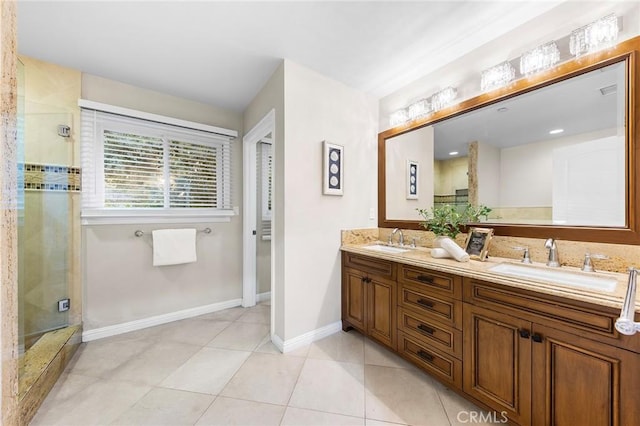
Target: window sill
(141, 216)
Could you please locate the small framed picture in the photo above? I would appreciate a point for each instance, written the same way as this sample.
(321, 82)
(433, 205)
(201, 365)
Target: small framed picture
(477, 244)
(333, 168)
(412, 180)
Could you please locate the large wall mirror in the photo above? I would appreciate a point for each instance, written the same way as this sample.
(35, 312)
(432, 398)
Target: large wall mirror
(552, 156)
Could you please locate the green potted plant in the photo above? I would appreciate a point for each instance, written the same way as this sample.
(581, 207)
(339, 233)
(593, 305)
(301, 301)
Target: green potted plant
(448, 220)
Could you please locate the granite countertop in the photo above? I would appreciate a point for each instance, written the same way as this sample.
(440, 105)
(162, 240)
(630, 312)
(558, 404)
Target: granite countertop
(421, 257)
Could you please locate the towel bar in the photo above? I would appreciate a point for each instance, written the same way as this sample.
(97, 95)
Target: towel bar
(140, 233)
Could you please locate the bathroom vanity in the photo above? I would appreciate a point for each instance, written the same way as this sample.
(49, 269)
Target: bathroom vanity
(540, 353)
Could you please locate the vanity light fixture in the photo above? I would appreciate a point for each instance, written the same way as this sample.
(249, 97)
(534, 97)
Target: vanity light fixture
(399, 117)
(419, 109)
(497, 76)
(443, 98)
(539, 59)
(555, 131)
(594, 36)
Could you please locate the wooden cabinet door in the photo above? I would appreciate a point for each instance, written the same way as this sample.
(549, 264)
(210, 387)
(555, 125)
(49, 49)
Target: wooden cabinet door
(577, 381)
(497, 361)
(381, 311)
(353, 299)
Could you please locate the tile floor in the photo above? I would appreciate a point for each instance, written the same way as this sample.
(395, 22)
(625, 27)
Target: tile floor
(222, 369)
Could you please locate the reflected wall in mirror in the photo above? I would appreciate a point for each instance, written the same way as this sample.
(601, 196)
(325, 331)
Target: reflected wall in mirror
(547, 155)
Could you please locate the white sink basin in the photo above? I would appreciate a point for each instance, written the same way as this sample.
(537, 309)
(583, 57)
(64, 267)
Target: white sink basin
(558, 276)
(386, 249)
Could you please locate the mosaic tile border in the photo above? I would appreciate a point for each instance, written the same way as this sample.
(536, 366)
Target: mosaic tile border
(47, 177)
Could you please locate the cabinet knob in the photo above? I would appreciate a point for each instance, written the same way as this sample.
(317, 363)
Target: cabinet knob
(536, 338)
(524, 334)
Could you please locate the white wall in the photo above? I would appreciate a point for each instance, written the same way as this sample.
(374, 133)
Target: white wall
(489, 175)
(526, 171)
(464, 73)
(271, 96)
(119, 282)
(415, 146)
(317, 109)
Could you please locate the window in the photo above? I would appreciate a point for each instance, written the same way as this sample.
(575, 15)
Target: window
(266, 176)
(138, 167)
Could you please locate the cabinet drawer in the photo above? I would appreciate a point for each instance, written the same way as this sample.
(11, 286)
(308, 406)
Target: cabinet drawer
(444, 366)
(431, 333)
(594, 322)
(433, 282)
(417, 299)
(370, 265)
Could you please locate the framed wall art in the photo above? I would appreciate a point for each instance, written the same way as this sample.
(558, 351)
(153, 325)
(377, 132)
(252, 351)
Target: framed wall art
(333, 169)
(412, 179)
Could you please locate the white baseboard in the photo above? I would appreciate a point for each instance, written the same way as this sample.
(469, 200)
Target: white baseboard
(261, 297)
(306, 338)
(125, 327)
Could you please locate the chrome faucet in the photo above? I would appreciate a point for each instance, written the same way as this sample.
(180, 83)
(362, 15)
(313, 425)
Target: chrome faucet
(553, 261)
(400, 241)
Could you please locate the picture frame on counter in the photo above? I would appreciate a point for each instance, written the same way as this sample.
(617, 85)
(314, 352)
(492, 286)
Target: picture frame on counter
(477, 243)
(412, 179)
(333, 169)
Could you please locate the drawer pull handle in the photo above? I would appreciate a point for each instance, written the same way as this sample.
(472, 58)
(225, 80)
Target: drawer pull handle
(536, 338)
(426, 356)
(524, 334)
(425, 302)
(426, 329)
(425, 279)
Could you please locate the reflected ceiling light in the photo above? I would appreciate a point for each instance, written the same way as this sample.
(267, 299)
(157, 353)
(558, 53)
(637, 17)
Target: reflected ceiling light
(454, 153)
(594, 36)
(419, 109)
(555, 131)
(539, 59)
(498, 76)
(608, 90)
(399, 117)
(443, 98)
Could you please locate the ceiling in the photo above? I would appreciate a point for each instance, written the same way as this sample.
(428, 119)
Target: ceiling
(222, 53)
(586, 103)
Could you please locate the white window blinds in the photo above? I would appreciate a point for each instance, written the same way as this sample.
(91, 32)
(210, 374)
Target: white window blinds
(265, 183)
(134, 164)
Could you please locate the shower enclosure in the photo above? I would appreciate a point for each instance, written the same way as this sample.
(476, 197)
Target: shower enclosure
(45, 204)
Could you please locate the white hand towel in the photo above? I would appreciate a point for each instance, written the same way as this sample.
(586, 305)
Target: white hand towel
(440, 253)
(174, 246)
(454, 250)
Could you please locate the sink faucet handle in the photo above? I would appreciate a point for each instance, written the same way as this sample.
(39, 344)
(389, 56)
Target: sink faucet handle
(525, 255)
(587, 265)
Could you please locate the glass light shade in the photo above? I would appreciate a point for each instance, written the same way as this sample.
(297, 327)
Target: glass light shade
(594, 36)
(443, 98)
(419, 109)
(399, 117)
(539, 59)
(497, 76)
